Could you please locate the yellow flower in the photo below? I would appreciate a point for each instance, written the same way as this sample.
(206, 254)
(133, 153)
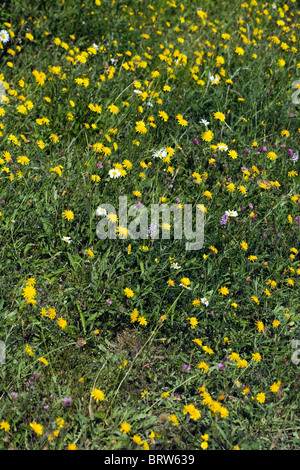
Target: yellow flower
(233, 154)
(128, 292)
(23, 160)
(174, 420)
(90, 253)
(72, 446)
(219, 116)
(181, 120)
(98, 395)
(43, 360)
(112, 217)
(271, 155)
(261, 397)
(37, 428)
(207, 194)
(142, 321)
(125, 427)
(242, 190)
(207, 136)
(127, 164)
(234, 357)
(137, 439)
(239, 50)
(62, 323)
(52, 313)
(29, 292)
(163, 115)
(260, 326)
(140, 127)
(241, 363)
(69, 215)
(230, 187)
(193, 322)
(5, 425)
(193, 412)
(29, 350)
(244, 246)
(95, 178)
(203, 366)
(275, 387)
(185, 282)
(113, 109)
(223, 290)
(256, 357)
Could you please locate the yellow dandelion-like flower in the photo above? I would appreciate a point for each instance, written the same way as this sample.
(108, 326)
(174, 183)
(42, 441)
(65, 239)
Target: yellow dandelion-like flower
(37, 428)
(98, 395)
(125, 427)
(128, 292)
(69, 215)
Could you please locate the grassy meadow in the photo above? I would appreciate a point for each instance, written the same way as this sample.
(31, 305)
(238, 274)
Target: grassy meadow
(142, 344)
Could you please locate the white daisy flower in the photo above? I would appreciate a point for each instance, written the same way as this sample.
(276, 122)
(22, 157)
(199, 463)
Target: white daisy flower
(175, 266)
(100, 211)
(222, 147)
(203, 121)
(67, 239)
(160, 153)
(231, 213)
(95, 46)
(4, 36)
(204, 301)
(214, 80)
(114, 173)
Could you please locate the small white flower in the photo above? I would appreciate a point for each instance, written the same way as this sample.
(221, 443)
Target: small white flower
(160, 153)
(203, 121)
(204, 301)
(222, 147)
(4, 36)
(138, 92)
(182, 285)
(100, 211)
(114, 173)
(67, 239)
(175, 266)
(150, 104)
(95, 46)
(214, 80)
(231, 213)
